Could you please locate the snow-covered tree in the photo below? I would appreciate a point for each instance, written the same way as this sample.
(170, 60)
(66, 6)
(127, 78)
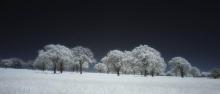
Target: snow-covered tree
(128, 63)
(215, 73)
(100, 67)
(205, 74)
(43, 62)
(12, 62)
(149, 60)
(158, 67)
(82, 55)
(53, 57)
(179, 66)
(6, 63)
(195, 72)
(113, 60)
(107, 63)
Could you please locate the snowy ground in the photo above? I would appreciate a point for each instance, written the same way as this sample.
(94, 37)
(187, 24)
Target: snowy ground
(21, 81)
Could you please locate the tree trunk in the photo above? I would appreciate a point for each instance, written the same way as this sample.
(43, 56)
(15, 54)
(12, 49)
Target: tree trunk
(118, 72)
(80, 68)
(152, 73)
(54, 68)
(77, 68)
(61, 68)
(108, 71)
(43, 66)
(176, 72)
(145, 72)
(73, 69)
(181, 72)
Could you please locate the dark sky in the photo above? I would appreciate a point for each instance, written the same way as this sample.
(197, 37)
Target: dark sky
(188, 29)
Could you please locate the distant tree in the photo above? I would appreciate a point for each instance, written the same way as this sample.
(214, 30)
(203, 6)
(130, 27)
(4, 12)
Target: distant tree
(53, 57)
(1, 63)
(195, 72)
(83, 57)
(28, 64)
(215, 73)
(113, 60)
(180, 66)
(141, 58)
(100, 67)
(42, 63)
(205, 74)
(12, 62)
(149, 60)
(6, 63)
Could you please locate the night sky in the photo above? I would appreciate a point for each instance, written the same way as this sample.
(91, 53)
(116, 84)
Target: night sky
(187, 29)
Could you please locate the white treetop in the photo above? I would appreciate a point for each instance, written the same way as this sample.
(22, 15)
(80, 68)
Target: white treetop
(113, 60)
(13, 62)
(180, 66)
(83, 54)
(52, 55)
(195, 72)
(149, 59)
(129, 62)
(83, 57)
(100, 67)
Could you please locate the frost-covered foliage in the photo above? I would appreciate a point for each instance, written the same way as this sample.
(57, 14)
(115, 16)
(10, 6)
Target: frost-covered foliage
(100, 67)
(7, 63)
(141, 59)
(149, 60)
(129, 63)
(205, 74)
(12, 63)
(113, 60)
(53, 57)
(60, 57)
(179, 66)
(195, 72)
(215, 73)
(82, 57)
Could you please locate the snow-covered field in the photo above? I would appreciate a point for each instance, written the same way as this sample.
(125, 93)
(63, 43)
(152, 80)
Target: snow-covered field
(22, 81)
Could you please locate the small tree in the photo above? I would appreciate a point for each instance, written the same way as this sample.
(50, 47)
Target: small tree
(82, 55)
(100, 67)
(149, 60)
(12, 62)
(6, 63)
(195, 72)
(215, 73)
(180, 66)
(54, 57)
(113, 60)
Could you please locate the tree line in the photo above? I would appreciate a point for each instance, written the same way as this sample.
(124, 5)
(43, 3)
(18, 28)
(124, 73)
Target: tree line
(142, 60)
